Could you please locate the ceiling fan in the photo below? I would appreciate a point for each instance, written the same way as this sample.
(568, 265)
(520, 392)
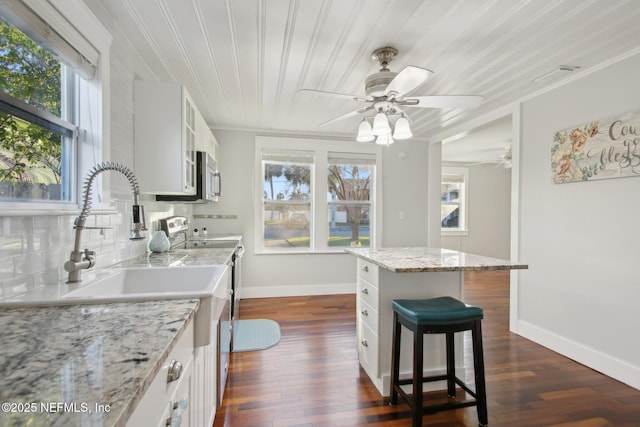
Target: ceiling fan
(387, 93)
(503, 159)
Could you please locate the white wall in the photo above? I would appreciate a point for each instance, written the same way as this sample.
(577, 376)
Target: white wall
(268, 275)
(405, 190)
(489, 213)
(580, 295)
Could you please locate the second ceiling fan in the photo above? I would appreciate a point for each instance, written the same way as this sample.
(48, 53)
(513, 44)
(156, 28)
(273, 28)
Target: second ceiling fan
(387, 93)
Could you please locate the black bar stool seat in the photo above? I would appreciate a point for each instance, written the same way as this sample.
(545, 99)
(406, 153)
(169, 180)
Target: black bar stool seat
(443, 315)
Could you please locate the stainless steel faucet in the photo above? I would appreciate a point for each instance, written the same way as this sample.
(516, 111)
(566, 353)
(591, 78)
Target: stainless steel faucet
(80, 260)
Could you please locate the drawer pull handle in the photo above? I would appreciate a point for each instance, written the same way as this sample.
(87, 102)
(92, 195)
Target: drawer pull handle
(175, 369)
(365, 343)
(365, 312)
(365, 291)
(365, 269)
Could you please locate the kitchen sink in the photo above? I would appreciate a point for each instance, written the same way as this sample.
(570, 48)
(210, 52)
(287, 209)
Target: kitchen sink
(159, 282)
(210, 284)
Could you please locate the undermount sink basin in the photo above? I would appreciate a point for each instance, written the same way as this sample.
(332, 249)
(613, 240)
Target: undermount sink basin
(152, 283)
(210, 284)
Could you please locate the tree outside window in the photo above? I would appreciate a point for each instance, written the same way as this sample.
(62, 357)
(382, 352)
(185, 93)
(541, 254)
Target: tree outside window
(33, 149)
(315, 199)
(349, 199)
(287, 200)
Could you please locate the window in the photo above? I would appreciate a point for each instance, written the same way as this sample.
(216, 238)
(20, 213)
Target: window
(453, 200)
(287, 201)
(40, 77)
(349, 181)
(314, 197)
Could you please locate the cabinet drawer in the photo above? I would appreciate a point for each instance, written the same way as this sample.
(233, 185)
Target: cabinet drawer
(368, 272)
(368, 315)
(368, 349)
(368, 293)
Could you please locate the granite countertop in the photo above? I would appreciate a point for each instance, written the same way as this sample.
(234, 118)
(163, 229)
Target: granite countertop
(84, 355)
(56, 352)
(423, 259)
(179, 258)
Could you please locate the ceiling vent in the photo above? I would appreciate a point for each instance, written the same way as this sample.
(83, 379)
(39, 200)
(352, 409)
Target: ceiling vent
(556, 74)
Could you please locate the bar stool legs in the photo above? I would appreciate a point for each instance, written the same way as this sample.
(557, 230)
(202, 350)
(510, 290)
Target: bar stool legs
(478, 370)
(415, 323)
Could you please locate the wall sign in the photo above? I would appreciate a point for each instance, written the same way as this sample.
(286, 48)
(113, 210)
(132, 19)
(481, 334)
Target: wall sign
(607, 148)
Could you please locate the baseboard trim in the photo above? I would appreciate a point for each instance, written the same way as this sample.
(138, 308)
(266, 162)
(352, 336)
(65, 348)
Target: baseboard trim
(595, 359)
(297, 290)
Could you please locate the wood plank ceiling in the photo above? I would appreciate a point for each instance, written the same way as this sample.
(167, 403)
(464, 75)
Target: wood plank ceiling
(243, 61)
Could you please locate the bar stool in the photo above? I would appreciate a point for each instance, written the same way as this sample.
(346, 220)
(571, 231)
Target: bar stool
(443, 315)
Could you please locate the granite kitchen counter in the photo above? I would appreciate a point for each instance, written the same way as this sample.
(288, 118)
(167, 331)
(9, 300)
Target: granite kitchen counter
(179, 258)
(423, 259)
(84, 365)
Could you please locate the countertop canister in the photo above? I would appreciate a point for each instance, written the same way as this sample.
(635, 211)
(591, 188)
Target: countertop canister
(159, 242)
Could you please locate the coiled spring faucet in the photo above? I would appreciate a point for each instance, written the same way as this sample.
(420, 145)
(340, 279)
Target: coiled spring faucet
(86, 259)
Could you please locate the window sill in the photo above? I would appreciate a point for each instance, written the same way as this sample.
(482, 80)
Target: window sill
(453, 233)
(318, 252)
(40, 209)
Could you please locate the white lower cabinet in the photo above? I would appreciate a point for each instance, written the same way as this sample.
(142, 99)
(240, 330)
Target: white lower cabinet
(166, 402)
(203, 408)
(192, 399)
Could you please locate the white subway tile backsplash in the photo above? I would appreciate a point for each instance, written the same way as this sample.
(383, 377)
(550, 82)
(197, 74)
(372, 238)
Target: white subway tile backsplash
(33, 249)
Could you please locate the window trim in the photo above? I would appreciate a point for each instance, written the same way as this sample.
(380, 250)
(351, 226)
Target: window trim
(319, 204)
(462, 229)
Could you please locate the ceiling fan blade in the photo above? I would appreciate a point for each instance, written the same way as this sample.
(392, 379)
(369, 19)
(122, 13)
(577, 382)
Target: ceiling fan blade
(336, 95)
(445, 101)
(407, 80)
(348, 115)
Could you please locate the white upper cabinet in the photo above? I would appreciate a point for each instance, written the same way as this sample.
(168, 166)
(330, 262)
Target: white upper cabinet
(166, 122)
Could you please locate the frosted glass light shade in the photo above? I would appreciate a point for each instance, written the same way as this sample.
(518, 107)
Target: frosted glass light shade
(402, 130)
(381, 124)
(385, 139)
(364, 132)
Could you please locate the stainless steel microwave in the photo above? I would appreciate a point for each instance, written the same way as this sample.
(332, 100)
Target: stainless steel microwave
(208, 182)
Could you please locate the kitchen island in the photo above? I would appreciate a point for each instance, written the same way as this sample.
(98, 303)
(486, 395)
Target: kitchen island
(386, 274)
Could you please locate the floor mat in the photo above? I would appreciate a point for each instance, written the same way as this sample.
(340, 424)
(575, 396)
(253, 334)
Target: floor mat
(255, 334)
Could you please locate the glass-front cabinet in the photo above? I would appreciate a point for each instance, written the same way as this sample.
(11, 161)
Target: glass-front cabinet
(165, 138)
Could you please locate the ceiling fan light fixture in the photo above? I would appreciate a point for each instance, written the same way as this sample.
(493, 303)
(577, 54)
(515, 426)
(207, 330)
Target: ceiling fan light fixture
(364, 132)
(402, 129)
(381, 124)
(384, 139)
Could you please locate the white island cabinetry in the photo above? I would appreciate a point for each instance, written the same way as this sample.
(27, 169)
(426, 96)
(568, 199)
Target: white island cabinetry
(386, 274)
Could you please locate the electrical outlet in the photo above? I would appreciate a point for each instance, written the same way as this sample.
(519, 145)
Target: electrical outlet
(401, 215)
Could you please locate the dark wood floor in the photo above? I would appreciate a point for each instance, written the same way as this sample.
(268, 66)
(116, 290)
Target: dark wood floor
(312, 378)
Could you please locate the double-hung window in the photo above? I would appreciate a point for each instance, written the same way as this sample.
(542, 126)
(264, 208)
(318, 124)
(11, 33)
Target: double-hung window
(350, 181)
(40, 74)
(316, 196)
(287, 202)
